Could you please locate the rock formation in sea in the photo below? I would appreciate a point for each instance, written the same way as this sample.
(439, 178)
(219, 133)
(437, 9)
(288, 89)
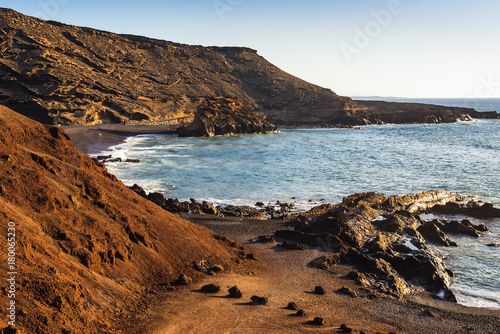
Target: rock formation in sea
(222, 116)
(87, 247)
(386, 241)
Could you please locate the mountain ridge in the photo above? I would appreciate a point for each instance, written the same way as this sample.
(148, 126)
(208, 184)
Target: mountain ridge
(63, 74)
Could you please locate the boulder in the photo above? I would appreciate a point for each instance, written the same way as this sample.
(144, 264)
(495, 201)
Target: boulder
(259, 300)
(319, 290)
(300, 313)
(210, 288)
(235, 292)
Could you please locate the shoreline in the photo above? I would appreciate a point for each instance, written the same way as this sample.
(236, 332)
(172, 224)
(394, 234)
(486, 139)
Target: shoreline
(110, 135)
(94, 139)
(284, 276)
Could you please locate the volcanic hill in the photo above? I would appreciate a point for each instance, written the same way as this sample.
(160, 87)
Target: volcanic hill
(62, 74)
(87, 247)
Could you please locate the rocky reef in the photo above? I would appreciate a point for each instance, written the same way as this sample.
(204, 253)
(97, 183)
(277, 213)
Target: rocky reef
(62, 74)
(386, 241)
(223, 116)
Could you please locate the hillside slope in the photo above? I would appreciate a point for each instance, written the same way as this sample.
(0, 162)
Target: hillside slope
(87, 247)
(61, 74)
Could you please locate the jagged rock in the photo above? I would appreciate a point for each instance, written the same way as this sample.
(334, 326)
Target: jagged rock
(318, 321)
(292, 306)
(385, 240)
(224, 116)
(431, 232)
(234, 292)
(473, 208)
(174, 205)
(359, 278)
(134, 161)
(239, 211)
(112, 160)
(210, 288)
(423, 201)
(462, 227)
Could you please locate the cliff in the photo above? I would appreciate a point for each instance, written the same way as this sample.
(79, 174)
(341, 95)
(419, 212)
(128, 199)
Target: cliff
(87, 248)
(62, 74)
(222, 116)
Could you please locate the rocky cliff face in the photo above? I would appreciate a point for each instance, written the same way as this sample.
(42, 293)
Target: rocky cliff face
(63, 74)
(87, 247)
(222, 116)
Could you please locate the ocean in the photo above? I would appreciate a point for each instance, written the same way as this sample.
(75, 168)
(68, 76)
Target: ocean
(318, 165)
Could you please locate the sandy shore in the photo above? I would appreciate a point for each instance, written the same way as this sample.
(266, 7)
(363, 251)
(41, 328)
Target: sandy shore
(284, 276)
(97, 138)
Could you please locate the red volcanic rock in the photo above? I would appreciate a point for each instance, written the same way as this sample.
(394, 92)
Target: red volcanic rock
(87, 247)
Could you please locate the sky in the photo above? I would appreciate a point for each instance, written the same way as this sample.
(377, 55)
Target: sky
(390, 48)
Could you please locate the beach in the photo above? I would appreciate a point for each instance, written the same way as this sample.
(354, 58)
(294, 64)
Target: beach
(284, 276)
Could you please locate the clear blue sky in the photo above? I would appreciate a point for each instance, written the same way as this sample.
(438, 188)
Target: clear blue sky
(403, 48)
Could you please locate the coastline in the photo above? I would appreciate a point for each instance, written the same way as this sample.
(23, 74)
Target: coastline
(416, 313)
(283, 276)
(94, 139)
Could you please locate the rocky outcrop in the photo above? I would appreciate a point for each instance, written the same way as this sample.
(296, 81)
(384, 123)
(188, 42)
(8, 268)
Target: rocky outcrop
(87, 247)
(223, 116)
(62, 74)
(385, 238)
(377, 112)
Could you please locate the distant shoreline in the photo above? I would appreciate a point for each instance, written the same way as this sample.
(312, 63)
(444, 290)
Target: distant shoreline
(96, 138)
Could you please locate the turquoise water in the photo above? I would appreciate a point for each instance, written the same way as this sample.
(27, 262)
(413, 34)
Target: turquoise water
(311, 166)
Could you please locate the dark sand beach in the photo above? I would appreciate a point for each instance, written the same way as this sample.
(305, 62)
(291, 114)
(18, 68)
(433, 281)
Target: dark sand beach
(96, 138)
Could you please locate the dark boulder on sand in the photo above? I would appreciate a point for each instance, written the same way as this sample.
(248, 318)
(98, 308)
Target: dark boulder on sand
(235, 292)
